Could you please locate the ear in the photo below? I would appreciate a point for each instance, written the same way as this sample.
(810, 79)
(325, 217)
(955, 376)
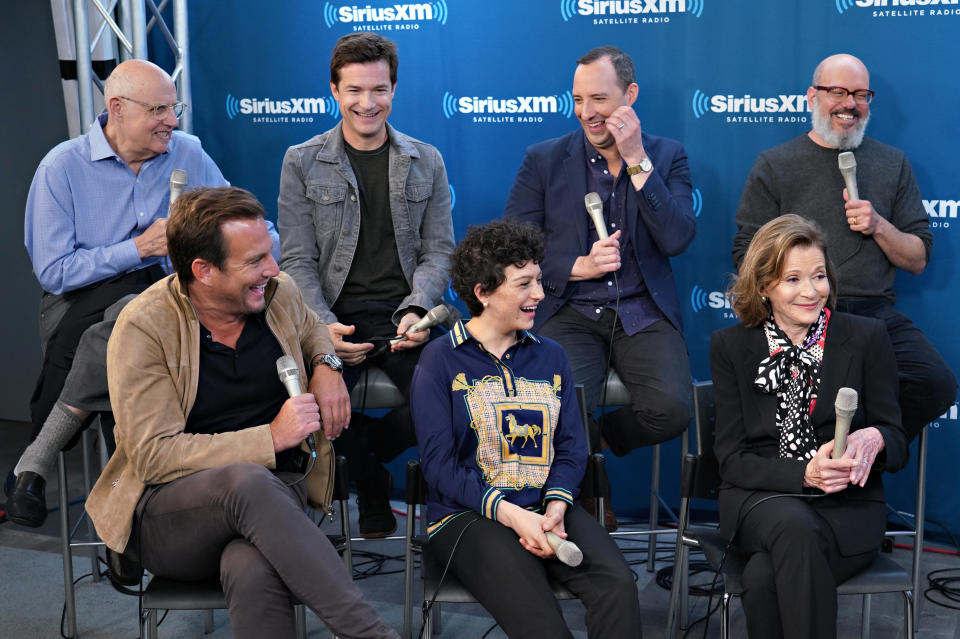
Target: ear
(632, 92)
(334, 92)
(114, 107)
(479, 293)
(202, 270)
(811, 94)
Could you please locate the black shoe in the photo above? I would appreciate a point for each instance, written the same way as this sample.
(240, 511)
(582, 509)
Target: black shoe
(373, 498)
(123, 570)
(27, 504)
(9, 483)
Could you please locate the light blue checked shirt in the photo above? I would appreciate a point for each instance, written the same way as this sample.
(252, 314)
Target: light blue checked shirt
(85, 206)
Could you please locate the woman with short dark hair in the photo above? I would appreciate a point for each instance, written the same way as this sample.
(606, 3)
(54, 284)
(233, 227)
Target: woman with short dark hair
(503, 451)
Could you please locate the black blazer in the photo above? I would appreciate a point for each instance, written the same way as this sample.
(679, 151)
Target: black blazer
(857, 354)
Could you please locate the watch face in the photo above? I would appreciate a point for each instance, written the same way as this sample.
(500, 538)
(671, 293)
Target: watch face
(646, 165)
(334, 362)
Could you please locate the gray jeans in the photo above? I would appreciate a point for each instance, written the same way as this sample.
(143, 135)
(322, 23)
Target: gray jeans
(243, 523)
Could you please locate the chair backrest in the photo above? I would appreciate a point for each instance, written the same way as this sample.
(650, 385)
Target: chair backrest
(705, 479)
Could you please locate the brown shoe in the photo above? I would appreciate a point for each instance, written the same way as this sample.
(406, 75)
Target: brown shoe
(609, 517)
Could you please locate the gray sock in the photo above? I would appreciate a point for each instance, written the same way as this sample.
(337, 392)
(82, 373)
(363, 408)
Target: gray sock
(39, 456)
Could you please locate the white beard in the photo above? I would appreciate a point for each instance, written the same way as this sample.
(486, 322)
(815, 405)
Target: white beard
(843, 141)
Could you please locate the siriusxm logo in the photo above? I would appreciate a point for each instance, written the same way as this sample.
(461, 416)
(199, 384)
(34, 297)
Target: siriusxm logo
(453, 197)
(529, 108)
(701, 299)
(386, 16)
(571, 8)
(754, 109)
(299, 108)
(697, 202)
(843, 5)
(941, 212)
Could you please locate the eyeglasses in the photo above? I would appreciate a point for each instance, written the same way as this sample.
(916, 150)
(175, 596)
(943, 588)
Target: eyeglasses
(839, 94)
(160, 111)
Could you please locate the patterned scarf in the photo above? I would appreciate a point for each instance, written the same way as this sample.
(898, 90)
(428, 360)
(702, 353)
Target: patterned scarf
(793, 373)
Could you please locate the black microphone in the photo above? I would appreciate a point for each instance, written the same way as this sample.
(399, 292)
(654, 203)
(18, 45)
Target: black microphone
(178, 182)
(845, 406)
(848, 168)
(566, 550)
(289, 374)
(434, 317)
(595, 209)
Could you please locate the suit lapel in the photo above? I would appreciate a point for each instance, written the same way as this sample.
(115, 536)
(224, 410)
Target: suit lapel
(765, 406)
(575, 170)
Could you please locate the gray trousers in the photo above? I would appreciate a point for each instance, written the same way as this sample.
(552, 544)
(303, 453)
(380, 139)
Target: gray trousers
(243, 523)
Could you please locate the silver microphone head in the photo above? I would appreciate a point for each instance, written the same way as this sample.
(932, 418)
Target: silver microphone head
(847, 162)
(287, 366)
(570, 554)
(846, 400)
(438, 314)
(593, 202)
(178, 182)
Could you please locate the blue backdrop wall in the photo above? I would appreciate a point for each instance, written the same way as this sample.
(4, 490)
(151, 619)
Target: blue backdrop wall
(261, 83)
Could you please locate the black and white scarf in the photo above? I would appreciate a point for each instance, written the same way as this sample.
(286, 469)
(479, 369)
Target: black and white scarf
(792, 371)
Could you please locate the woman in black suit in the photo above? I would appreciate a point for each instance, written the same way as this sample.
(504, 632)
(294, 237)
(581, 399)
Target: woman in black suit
(775, 377)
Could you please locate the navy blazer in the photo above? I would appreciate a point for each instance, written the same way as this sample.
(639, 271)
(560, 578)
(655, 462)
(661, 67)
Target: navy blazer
(548, 192)
(858, 354)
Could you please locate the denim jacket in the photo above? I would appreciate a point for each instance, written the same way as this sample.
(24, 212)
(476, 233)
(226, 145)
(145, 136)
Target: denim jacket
(319, 219)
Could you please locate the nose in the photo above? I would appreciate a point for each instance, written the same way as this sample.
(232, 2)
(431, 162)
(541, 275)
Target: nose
(537, 292)
(170, 119)
(587, 110)
(849, 102)
(271, 269)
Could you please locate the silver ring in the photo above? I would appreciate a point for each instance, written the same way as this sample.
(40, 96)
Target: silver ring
(620, 125)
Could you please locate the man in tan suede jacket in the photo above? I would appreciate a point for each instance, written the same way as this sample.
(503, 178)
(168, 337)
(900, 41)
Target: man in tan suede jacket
(208, 476)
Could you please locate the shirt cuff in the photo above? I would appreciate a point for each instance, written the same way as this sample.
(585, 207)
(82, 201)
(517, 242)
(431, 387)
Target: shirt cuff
(489, 502)
(558, 493)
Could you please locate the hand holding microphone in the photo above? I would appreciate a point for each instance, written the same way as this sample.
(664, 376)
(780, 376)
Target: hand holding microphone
(305, 409)
(604, 256)
(861, 217)
(434, 317)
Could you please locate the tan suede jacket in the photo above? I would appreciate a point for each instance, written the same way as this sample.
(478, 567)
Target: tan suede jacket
(152, 367)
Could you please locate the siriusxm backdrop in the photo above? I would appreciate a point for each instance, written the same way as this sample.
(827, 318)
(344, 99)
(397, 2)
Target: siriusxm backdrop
(482, 80)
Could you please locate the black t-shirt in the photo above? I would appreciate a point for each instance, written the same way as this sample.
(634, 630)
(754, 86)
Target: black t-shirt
(375, 273)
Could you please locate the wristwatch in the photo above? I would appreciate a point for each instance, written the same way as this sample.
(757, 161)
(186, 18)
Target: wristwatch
(332, 361)
(645, 166)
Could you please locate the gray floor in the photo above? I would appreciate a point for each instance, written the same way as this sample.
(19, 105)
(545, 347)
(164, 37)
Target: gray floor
(32, 600)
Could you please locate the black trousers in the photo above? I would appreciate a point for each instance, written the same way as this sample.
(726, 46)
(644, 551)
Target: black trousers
(790, 579)
(512, 583)
(368, 443)
(927, 385)
(652, 363)
(85, 307)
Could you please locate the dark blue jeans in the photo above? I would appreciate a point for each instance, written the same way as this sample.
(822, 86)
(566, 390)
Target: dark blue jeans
(652, 363)
(927, 385)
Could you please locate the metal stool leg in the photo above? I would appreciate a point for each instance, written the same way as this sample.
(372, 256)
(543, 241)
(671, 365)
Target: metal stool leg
(654, 508)
(918, 523)
(87, 440)
(70, 609)
(865, 618)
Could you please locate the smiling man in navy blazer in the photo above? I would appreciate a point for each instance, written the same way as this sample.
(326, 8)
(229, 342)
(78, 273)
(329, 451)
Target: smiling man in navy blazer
(617, 291)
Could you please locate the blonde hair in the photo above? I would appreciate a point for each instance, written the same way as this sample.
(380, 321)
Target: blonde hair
(764, 262)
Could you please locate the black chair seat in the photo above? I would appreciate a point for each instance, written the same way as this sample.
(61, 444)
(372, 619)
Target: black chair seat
(713, 544)
(169, 594)
(884, 575)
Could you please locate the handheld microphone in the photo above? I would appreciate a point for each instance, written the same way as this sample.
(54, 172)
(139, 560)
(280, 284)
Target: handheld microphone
(290, 377)
(178, 182)
(595, 209)
(848, 168)
(435, 316)
(844, 406)
(567, 551)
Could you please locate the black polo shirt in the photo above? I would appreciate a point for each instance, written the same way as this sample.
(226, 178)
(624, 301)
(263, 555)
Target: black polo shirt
(238, 387)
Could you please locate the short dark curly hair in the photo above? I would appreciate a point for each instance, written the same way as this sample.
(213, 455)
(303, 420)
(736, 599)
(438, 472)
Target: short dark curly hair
(486, 251)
